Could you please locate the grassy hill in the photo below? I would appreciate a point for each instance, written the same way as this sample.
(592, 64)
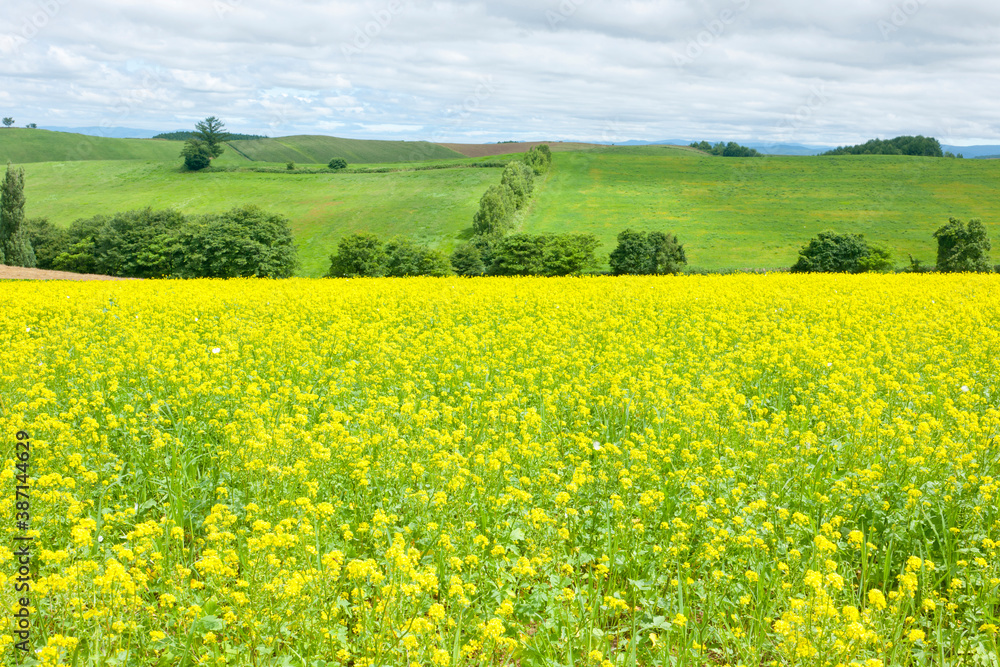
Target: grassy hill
(21, 145)
(729, 212)
(435, 206)
(320, 150)
(758, 212)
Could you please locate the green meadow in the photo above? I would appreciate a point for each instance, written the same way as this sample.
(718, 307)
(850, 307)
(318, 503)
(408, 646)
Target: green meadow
(434, 206)
(728, 212)
(758, 212)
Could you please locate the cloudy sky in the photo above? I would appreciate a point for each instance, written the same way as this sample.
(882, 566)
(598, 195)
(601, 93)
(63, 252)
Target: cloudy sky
(604, 70)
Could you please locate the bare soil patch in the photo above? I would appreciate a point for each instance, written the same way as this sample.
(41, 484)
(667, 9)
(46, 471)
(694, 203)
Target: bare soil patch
(19, 273)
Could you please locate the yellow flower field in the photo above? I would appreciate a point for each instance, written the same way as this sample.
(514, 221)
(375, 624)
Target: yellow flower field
(749, 470)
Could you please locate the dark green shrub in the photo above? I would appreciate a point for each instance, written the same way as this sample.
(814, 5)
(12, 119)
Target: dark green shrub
(519, 255)
(47, 241)
(338, 163)
(241, 243)
(963, 248)
(467, 260)
(197, 155)
(642, 253)
(405, 258)
(569, 254)
(358, 256)
(842, 253)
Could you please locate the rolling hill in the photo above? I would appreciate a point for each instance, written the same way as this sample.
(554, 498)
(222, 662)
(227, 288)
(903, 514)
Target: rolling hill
(758, 212)
(21, 145)
(433, 206)
(309, 149)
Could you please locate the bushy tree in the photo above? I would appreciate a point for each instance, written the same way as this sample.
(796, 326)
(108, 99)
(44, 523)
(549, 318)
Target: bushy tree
(539, 159)
(632, 255)
(15, 246)
(518, 179)
(543, 255)
(841, 253)
(963, 248)
(338, 163)
(212, 132)
(47, 241)
(358, 256)
(8, 121)
(642, 253)
(406, 258)
(466, 260)
(569, 254)
(495, 211)
(197, 155)
(244, 242)
(520, 255)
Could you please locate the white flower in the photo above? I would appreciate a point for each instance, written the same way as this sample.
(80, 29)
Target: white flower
(597, 446)
(965, 389)
(216, 350)
(100, 538)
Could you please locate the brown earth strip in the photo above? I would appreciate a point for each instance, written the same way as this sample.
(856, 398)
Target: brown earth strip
(487, 150)
(19, 273)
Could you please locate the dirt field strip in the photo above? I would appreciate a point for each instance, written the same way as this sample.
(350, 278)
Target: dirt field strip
(18, 273)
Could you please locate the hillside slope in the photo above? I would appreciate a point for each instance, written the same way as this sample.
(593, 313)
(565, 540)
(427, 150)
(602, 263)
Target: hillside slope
(21, 145)
(758, 212)
(434, 207)
(309, 149)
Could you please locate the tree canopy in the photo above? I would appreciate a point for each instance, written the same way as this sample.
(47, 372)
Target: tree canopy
(918, 145)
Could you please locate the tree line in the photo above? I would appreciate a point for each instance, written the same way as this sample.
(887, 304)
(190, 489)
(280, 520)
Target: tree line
(243, 242)
(916, 146)
(962, 248)
(732, 149)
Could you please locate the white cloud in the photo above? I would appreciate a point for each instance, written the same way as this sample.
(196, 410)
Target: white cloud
(507, 69)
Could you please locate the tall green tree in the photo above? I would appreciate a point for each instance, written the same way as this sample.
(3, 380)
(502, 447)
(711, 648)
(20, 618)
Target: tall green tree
(495, 211)
(963, 248)
(15, 246)
(8, 121)
(213, 132)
